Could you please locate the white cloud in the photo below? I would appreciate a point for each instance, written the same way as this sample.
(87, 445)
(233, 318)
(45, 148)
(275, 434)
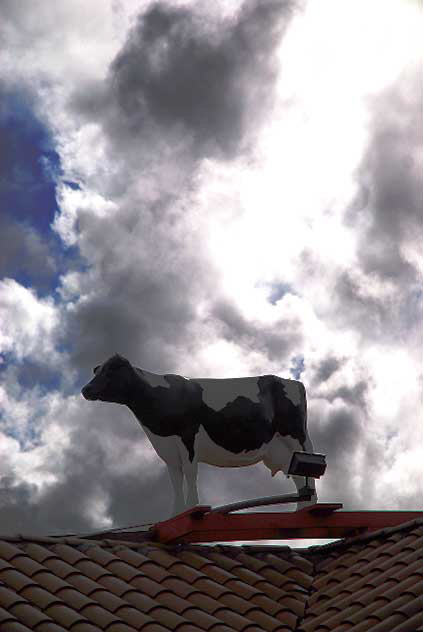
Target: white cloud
(29, 324)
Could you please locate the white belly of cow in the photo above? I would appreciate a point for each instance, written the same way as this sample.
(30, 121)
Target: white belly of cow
(207, 451)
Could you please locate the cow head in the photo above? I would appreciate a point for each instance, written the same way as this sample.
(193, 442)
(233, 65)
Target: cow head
(112, 381)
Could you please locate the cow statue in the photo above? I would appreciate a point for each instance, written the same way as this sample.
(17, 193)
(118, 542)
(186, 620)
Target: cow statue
(230, 422)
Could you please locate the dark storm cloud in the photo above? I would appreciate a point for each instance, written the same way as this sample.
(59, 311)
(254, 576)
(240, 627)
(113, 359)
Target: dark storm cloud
(143, 292)
(185, 86)
(276, 341)
(339, 436)
(387, 215)
(327, 367)
(381, 318)
(201, 82)
(390, 181)
(87, 474)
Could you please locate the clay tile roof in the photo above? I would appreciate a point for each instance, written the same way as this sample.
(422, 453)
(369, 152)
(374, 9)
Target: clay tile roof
(371, 583)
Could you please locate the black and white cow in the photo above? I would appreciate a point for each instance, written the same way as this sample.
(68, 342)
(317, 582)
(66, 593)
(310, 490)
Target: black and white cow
(231, 422)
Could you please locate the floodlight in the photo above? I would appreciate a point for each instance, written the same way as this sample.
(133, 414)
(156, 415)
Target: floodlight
(307, 464)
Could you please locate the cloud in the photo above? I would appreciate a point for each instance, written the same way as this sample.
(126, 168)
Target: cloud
(186, 86)
(187, 79)
(25, 254)
(276, 340)
(29, 324)
(74, 459)
(158, 126)
(388, 207)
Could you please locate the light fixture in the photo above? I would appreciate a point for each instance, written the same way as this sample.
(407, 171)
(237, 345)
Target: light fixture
(307, 464)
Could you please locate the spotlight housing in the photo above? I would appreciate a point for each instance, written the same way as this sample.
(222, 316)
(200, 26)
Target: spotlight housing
(307, 464)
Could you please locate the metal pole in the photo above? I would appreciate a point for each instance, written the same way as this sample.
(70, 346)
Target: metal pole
(260, 502)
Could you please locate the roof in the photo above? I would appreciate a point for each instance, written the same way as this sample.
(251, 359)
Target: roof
(371, 583)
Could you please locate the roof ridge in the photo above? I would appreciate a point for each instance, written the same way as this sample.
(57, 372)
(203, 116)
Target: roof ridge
(362, 538)
(311, 550)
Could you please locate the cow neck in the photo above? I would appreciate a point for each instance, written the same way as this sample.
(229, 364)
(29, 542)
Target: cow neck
(139, 398)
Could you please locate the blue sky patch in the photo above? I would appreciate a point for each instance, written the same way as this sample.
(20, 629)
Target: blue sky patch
(278, 291)
(30, 252)
(297, 367)
(29, 164)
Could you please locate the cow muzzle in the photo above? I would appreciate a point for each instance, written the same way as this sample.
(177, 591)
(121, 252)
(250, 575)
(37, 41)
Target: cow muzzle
(88, 393)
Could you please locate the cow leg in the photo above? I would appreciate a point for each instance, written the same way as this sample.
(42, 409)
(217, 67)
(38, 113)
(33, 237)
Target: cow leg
(176, 478)
(191, 472)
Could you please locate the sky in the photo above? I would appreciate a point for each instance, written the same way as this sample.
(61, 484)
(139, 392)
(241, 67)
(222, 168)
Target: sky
(216, 190)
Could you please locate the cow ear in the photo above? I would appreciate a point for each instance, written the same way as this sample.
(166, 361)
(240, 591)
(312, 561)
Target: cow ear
(96, 368)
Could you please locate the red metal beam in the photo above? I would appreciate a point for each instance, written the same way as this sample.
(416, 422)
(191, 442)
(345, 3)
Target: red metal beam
(199, 524)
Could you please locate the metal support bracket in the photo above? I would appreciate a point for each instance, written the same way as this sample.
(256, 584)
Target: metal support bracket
(323, 520)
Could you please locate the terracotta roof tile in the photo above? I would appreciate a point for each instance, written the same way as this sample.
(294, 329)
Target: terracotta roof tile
(9, 598)
(9, 551)
(219, 575)
(116, 585)
(49, 581)
(154, 571)
(15, 579)
(120, 627)
(243, 590)
(173, 602)
(188, 574)
(196, 560)
(85, 627)
(225, 561)
(265, 603)
(92, 570)
(69, 554)
(49, 626)
(232, 618)
(103, 597)
(39, 596)
(147, 586)
(204, 602)
(263, 619)
(288, 619)
(153, 627)
(186, 627)
(64, 615)
(166, 617)
(73, 598)
(15, 626)
(28, 615)
(134, 558)
(162, 558)
(5, 614)
(180, 587)
(293, 605)
(211, 588)
(132, 616)
(85, 585)
(236, 603)
(204, 620)
(81, 585)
